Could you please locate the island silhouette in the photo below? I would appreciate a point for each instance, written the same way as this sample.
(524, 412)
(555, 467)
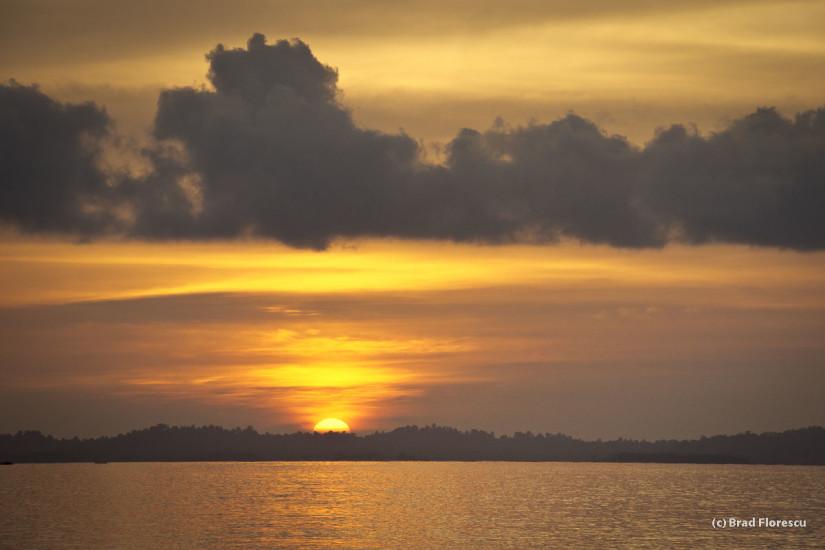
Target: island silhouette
(162, 443)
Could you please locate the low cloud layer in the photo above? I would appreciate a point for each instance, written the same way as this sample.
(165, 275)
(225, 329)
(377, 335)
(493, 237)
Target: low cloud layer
(49, 152)
(270, 152)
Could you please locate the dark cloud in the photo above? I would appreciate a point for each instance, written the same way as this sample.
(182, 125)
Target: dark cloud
(545, 181)
(761, 181)
(253, 74)
(270, 152)
(49, 175)
(277, 156)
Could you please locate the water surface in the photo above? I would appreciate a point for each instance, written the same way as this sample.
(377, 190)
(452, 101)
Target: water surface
(406, 505)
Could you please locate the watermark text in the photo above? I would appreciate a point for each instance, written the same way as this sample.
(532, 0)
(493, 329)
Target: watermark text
(754, 522)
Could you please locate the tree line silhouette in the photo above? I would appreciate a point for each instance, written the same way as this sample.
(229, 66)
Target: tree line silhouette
(214, 443)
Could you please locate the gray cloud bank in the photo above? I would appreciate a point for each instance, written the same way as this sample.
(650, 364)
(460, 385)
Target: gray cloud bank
(270, 152)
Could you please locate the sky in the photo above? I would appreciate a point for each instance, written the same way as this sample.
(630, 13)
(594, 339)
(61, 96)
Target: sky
(602, 219)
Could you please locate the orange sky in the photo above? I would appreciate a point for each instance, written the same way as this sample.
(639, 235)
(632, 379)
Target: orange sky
(589, 340)
(374, 332)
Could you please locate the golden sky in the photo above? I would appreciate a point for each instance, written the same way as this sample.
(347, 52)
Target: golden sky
(384, 333)
(434, 67)
(676, 339)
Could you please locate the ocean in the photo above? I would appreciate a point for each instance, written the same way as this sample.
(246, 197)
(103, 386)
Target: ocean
(439, 505)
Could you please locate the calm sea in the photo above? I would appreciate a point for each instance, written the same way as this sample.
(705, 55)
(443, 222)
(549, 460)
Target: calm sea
(407, 505)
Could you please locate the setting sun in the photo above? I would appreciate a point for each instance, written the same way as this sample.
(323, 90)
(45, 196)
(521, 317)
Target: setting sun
(331, 425)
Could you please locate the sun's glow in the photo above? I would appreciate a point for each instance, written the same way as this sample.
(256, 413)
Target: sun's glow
(331, 425)
(339, 375)
(366, 333)
(41, 272)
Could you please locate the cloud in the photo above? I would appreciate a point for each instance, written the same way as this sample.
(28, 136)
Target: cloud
(545, 181)
(759, 182)
(270, 152)
(277, 156)
(49, 152)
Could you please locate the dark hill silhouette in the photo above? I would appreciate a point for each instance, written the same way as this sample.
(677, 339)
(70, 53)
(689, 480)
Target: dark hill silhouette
(214, 443)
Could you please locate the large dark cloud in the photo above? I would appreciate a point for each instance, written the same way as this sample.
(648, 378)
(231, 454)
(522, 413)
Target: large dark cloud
(270, 152)
(761, 181)
(277, 156)
(49, 175)
(549, 180)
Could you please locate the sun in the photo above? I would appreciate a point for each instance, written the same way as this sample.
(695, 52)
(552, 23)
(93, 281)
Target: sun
(331, 425)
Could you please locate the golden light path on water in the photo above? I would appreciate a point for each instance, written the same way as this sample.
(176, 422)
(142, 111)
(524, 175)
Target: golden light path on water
(457, 505)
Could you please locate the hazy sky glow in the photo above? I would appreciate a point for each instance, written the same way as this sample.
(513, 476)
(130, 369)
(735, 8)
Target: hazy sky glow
(262, 245)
